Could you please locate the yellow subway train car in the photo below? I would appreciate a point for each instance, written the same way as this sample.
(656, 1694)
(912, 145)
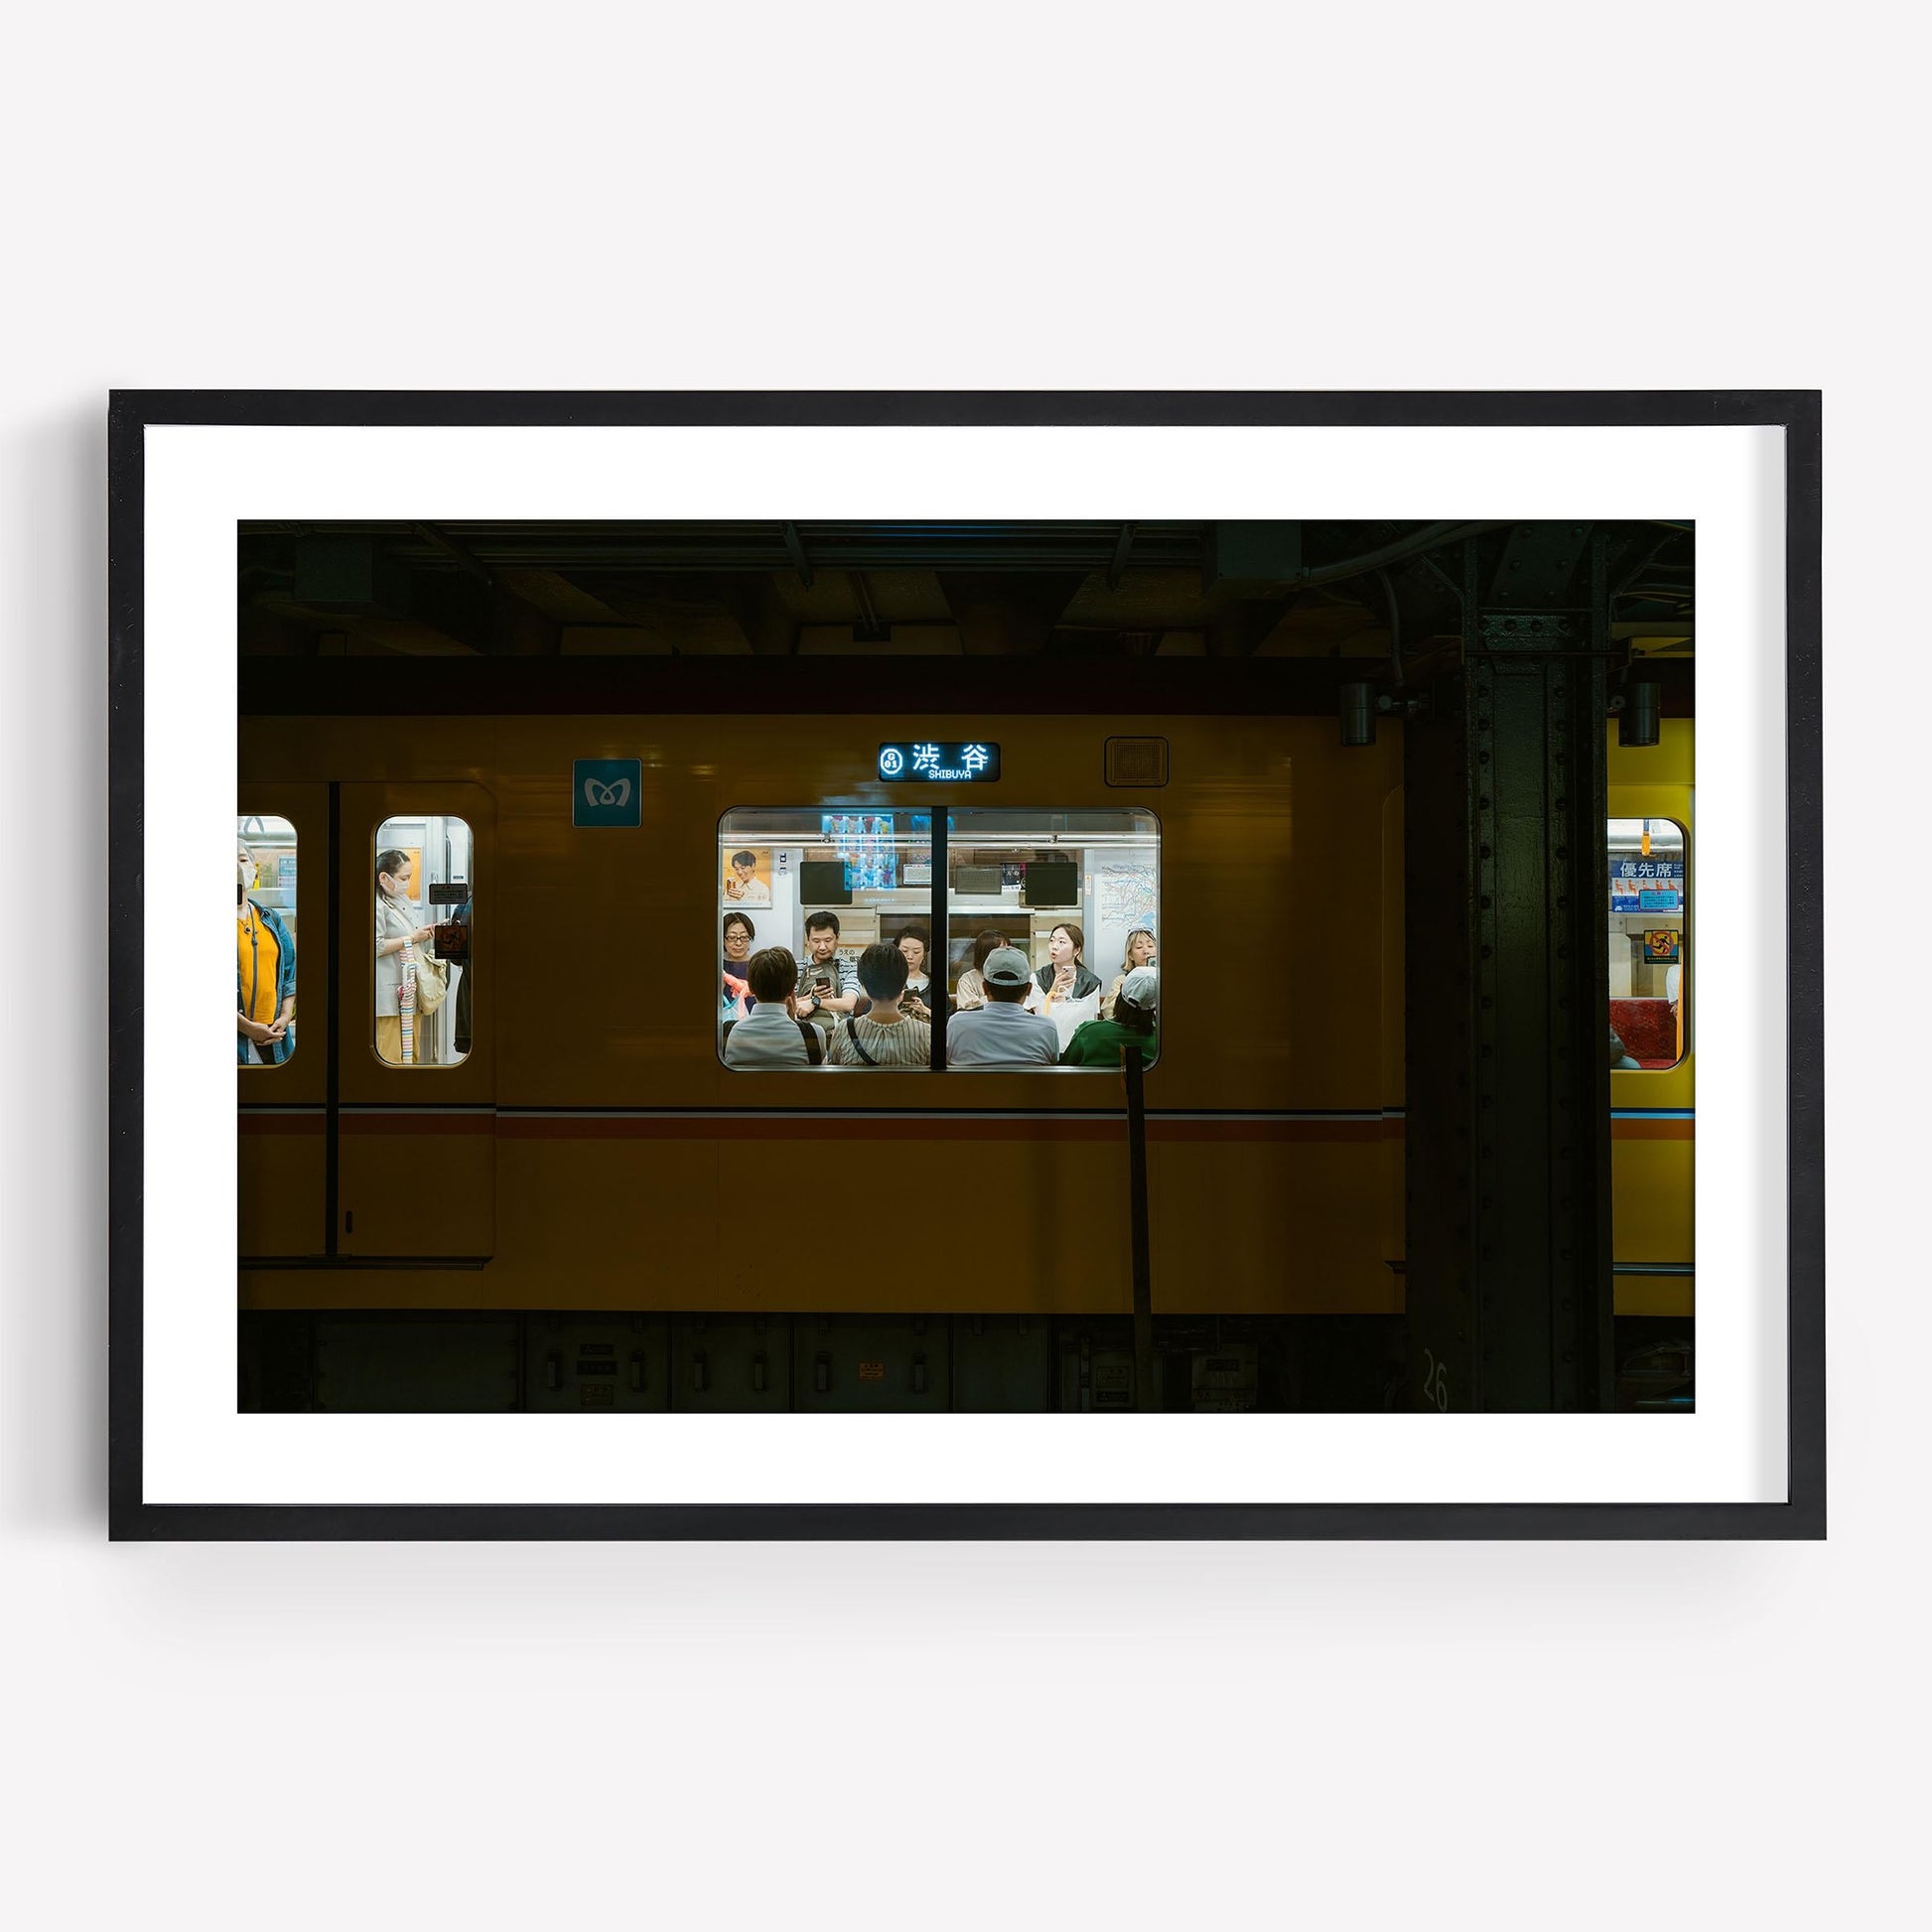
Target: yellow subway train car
(508, 1092)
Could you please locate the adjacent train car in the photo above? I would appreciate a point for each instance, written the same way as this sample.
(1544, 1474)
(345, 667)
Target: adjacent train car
(1653, 824)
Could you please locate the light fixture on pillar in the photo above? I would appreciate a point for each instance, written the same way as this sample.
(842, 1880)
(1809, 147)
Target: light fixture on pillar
(1358, 714)
(1636, 723)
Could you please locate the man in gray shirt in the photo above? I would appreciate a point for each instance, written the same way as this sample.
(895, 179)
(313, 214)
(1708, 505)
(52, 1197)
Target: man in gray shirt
(1002, 1032)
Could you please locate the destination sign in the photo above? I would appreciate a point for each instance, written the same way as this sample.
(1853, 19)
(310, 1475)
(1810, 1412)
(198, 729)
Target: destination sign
(973, 763)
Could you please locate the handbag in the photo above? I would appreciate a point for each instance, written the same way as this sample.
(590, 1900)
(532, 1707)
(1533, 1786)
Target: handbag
(432, 983)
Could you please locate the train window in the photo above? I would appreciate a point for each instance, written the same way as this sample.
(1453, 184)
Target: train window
(264, 941)
(833, 910)
(1077, 896)
(1649, 1008)
(1069, 898)
(424, 893)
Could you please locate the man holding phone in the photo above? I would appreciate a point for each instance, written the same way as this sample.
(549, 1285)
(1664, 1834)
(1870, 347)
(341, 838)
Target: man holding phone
(822, 994)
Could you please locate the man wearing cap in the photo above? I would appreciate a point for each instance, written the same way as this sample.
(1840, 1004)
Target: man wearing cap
(1003, 1033)
(1101, 1043)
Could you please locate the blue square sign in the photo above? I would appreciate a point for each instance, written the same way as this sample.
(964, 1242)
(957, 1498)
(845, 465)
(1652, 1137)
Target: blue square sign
(607, 793)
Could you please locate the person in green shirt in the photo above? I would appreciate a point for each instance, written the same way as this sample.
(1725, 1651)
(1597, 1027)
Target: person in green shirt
(1101, 1043)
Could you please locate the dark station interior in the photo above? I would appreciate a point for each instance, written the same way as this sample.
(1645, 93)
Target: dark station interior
(1382, 1159)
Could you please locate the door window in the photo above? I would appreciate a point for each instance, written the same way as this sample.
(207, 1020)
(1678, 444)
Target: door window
(422, 883)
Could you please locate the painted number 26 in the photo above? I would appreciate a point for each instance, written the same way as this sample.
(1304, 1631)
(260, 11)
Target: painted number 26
(1435, 1385)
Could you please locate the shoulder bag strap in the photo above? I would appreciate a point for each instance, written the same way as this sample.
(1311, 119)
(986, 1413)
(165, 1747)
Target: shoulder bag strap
(856, 1045)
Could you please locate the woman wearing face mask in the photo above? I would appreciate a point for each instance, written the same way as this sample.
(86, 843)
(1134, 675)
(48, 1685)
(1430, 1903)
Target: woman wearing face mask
(395, 936)
(264, 975)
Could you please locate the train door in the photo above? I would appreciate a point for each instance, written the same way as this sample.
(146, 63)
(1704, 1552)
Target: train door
(416, 1062)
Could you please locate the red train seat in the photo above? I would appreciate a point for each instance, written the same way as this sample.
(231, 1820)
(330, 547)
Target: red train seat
(1648, 1029)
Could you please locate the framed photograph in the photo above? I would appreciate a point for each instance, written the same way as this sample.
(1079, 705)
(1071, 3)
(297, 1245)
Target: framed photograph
(1209, 1040)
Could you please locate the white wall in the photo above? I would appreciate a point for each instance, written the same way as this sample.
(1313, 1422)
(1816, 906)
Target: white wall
(1356, 1736)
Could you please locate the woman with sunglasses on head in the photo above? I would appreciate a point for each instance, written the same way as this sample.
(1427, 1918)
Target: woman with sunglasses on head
(1140, 952)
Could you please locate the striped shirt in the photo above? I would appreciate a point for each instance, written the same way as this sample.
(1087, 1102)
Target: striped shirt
(899, 1042)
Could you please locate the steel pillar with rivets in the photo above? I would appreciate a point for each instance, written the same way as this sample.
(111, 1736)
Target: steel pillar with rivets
(1508, 1270)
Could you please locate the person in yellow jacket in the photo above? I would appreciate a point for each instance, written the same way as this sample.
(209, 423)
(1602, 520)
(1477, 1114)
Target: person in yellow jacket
(264, 975)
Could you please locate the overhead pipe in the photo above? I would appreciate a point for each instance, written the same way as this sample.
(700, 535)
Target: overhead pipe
(1434, 537)
(1394, 629)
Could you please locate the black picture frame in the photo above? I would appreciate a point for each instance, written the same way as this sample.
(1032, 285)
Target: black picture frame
(1797, 413)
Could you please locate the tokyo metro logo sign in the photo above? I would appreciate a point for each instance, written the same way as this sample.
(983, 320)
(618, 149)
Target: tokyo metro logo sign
(607, 793)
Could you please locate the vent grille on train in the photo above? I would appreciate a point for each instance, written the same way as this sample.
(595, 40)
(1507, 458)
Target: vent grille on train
(1137, 760)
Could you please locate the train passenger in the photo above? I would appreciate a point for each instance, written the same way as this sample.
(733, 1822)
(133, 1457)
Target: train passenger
(395, 939)
(264, 976)
(772, 1034)
(921, 995)
(739, 932)
(1140, 952)
(466, 985)
(822, 991)
(1103, 1043)
(1066, 976)
(743, 888)
(1002, 1032)
(881, 1036)
(971, 990)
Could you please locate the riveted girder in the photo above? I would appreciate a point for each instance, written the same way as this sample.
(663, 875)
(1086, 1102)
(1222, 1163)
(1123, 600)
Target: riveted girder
(1508, 1274)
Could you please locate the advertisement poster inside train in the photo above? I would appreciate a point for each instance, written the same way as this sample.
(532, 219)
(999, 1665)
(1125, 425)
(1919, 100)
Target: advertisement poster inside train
(748, 876)
(864, 845)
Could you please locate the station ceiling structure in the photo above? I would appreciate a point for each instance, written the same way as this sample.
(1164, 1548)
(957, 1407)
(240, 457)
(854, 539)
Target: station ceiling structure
(1035, 589)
